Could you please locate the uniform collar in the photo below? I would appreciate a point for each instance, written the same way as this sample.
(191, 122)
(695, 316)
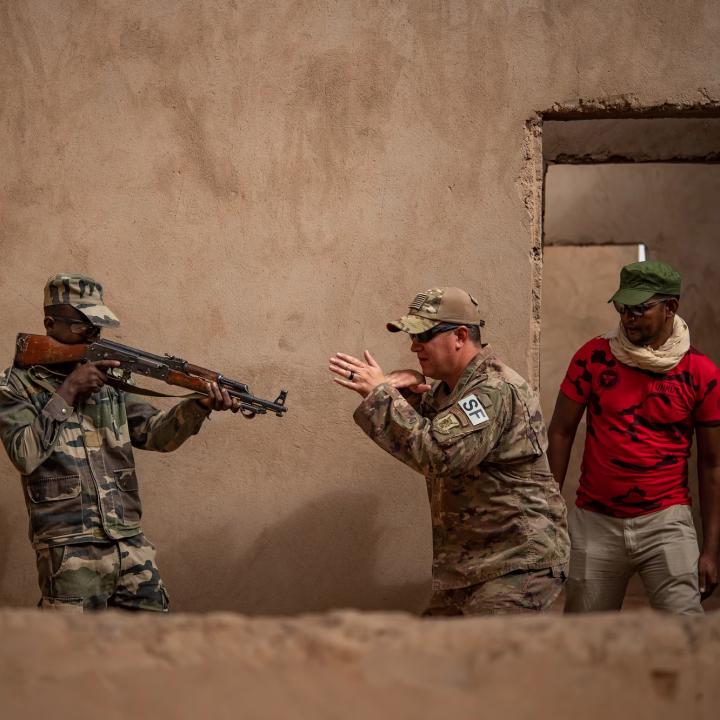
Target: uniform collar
(439, 396)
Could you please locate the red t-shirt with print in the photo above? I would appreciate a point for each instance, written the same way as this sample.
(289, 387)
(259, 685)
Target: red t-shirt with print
(640, 428)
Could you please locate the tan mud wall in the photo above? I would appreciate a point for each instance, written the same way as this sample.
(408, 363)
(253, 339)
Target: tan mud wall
(637, 665)
(259, 184)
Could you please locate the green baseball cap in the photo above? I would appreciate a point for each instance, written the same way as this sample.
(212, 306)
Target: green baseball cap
(83, 293)
(641, 280)
(435, 306)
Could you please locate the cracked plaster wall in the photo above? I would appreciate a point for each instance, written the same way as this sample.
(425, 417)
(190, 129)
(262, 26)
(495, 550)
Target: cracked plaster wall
(259, 184)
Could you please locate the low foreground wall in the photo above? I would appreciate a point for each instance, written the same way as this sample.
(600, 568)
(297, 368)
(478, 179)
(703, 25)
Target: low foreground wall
(351, 665)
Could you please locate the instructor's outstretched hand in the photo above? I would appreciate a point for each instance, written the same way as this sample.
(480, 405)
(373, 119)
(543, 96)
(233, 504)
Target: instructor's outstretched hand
(354, 374)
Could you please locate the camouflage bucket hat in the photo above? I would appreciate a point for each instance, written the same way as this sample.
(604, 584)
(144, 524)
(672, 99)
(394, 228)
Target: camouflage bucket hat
(84, 294)
(438, 305)
(641, 280)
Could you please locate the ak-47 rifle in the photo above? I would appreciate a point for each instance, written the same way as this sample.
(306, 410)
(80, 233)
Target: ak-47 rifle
(44, 350)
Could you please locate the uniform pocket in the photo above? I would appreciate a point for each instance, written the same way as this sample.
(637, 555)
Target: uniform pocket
(53, 489)
(165, 598)
(57, 555)
(126, 479)
(127, 482)
(55, 505)
(682, 514)
(51, 564)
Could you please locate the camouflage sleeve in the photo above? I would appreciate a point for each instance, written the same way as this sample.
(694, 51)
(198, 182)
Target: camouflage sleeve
(413, 399)
(452, 442)
(153, 429)
(29, 436)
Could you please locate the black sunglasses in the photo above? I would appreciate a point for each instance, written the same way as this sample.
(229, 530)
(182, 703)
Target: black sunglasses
(637, 310)
(428, 335)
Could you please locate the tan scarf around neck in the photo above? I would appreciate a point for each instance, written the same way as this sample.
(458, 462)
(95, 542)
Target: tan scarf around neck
(662, 360)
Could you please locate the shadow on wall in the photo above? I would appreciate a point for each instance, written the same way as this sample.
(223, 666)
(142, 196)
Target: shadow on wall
(7, 531)
(301, 564)
(18, 580)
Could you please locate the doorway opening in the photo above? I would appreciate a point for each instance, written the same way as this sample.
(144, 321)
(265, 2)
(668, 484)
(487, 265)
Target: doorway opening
(616, 191)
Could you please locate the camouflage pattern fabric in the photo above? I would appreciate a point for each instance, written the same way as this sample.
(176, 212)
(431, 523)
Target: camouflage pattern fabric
(522, 591)
(495, 506)
(83, 293)
(76, 464)
(91, 576)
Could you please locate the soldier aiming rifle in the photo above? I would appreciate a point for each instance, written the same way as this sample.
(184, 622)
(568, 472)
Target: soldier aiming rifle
(70, 430)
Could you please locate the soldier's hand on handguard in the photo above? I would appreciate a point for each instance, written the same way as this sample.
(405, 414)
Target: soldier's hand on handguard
(219, 399)
(85, 380)
(410, 379)
(362, 377)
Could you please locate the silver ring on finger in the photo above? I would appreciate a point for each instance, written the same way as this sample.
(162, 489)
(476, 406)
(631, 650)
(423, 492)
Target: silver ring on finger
(351, 375)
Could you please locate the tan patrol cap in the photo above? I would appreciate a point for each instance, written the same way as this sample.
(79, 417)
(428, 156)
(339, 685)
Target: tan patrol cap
(438, 305)
(83, 293)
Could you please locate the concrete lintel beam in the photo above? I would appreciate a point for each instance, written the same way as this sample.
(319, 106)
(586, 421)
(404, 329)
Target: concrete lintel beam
(639, 140)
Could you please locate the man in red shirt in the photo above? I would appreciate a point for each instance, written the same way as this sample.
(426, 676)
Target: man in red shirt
(646, 390)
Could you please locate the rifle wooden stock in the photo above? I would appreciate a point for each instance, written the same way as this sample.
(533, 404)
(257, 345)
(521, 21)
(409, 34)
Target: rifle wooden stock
(43, 350)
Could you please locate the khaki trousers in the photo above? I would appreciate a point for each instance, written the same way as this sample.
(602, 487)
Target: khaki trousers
(605, 551)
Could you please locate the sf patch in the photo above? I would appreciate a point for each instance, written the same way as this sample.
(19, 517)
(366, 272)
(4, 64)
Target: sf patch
(474, 409)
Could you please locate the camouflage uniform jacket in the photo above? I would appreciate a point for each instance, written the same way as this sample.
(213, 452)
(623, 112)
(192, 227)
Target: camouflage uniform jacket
(495, 506)
(76, 464)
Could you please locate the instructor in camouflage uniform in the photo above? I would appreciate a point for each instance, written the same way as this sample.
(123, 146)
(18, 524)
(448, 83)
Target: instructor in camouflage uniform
(71, 437)
(500, 541)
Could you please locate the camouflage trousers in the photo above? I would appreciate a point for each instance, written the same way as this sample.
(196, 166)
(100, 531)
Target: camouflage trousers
(522, 591)
(94, 576)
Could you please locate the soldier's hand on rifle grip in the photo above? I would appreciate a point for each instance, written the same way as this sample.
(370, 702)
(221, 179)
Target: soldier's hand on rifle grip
(85, 380)
(219, 399)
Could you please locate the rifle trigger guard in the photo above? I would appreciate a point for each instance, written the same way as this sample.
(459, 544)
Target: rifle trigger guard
(247, 413)
(120, 373)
